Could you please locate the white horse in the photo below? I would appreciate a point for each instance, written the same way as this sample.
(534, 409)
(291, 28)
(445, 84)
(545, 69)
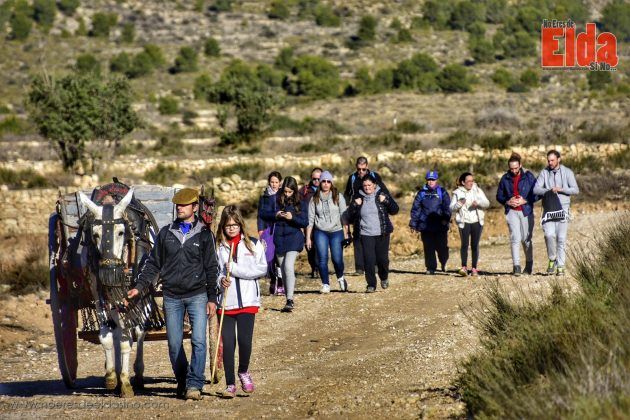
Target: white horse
(108, 233)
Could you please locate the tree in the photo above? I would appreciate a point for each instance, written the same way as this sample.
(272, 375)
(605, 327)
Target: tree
(465, 14)
(44, 12)
(453, 78)
(80, 108)
(102, 23)
(186, 61)
(436, 13)
(211, 47)
(315, 77)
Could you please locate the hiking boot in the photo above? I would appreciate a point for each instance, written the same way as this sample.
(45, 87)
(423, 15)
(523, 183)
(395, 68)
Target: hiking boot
(463, 271)
(474, 272)
(343, 284)
(517, 270)
(280, 291)
(430, 272)
(560, 271)
(193, 394)
(288, 307)
(246, 382)
(551, 267)
(370, 289)
(229, 392)
(325, 289)
(529, 267)
(384, 284)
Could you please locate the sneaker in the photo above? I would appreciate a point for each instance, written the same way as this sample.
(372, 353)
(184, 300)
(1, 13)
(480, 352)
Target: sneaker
(474, 272)
(181, 390)
(246, 382)
(280, 291)
(443, 268)
(529, 267)
(343, 284)
(430, 272)
(560, 271)
(384, 284)
(463, 271)
(288, 307)
(229, 392)
(551, 267)
(517, 270)
(325, 289)
(370, 289)
(193, 394)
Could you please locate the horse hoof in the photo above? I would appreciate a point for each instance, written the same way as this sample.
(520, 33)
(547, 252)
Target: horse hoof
(126, 390)
(111, 382)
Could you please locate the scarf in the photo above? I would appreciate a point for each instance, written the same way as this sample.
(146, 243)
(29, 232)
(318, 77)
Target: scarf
(233, 243)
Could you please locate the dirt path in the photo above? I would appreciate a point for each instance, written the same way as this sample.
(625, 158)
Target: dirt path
(393, 353)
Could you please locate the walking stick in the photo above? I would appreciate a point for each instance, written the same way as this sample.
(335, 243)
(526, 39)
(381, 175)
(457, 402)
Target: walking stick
(216, 349)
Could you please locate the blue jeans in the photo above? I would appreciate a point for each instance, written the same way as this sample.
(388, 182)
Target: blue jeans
(324, 240)
(174, 309)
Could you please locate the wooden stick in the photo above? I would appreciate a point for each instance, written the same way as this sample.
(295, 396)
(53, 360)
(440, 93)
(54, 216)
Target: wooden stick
(216, 349)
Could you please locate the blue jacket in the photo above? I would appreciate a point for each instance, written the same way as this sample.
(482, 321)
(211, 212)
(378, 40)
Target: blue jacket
(288, 234)
(266, 204)
(431, 210)
(526, 184)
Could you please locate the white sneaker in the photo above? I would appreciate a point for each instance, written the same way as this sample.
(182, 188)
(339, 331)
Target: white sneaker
(343, 284)
(325, 288)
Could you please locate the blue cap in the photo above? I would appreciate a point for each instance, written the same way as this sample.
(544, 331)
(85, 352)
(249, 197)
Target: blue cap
(432, 175)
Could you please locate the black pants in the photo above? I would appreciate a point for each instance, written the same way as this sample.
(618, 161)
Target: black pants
(434, 242)
(312, 258)
(470, 230)
(245, 325)
(358, 251)
(375, 253)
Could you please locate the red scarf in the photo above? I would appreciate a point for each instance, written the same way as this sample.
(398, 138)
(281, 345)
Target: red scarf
(517, 179)
(233, 243)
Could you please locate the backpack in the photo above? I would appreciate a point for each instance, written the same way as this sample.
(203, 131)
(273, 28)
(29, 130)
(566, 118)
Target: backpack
(440, 193)
(552, 208)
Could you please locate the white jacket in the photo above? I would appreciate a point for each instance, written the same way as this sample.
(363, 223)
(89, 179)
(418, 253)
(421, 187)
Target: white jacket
(245, 271)
(466, 214)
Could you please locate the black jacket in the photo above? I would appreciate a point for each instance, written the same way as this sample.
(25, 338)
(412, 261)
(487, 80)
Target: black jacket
(385, 208)
(355, 184)
(186, 268)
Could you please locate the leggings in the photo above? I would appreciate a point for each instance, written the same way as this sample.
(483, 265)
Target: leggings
(287, 264)
(470, 230)
(245, 325)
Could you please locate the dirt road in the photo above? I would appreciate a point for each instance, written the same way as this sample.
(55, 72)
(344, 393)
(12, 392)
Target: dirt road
(389, 354)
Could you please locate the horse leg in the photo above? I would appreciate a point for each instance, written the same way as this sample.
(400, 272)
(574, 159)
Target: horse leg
(138, 365)
(106, 337)
(126, 342)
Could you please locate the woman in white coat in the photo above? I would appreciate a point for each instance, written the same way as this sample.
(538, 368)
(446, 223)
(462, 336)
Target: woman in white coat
(468, 204)
(247, 264)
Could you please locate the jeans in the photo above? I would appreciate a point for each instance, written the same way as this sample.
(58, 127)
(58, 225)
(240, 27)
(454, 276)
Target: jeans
(323, 241)
(174, 309)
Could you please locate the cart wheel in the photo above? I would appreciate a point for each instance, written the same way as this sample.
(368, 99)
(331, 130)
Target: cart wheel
(64, 318)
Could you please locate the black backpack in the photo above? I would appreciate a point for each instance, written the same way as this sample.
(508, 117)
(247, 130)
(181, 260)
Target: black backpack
(552, 208)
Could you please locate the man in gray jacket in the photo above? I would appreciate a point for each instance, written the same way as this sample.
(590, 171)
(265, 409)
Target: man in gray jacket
(556, 183)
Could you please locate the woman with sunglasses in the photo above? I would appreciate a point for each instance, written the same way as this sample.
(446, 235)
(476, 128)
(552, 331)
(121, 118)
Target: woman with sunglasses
(246, 265)
(267, 205)
(291, 217)
(325, 222)
(306, 193)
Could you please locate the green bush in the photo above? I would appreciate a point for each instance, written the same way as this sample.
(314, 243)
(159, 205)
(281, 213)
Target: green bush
(128, 33)
(21, 26)
(11, 124)
(278, 10)
(211, 48)
(29, 275)
(221, 6)
(203, 86)
(168, 105)
(367, 29)
(120, 63)
(326, 16)
(44, 12)
(284, 60)
(477, 29)
(236, 75)
(82, 29)
(410, 127)
(404, 35)
(164, 174)
(306, 9)
(87, 63)
(616, 19)
(383, 80)
(453, 78)
(102, 23)
(605, 133)
(141, 65)
(269, 76)
(27, 178)
(518, 87)
(437, 13)
(186, 61)
(315, 77)
(598, 80)
(481, 50)
(517, 45)
(502, 77)
(530, 78)
(418, 72)
(565, 354)
(496, 10)
(68, 7)
(465, 13)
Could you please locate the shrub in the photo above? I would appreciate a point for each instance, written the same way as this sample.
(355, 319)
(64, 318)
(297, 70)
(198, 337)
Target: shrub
(128, 33)
(278, 10)
(87, 63)
(82, 29)
(120, 63)
(154, 52)
(465, 13)
(29, 275)
(453, 78)
(418, 72)
(502, 77)
(326, 16)
(44, 12)
(383, 80)
(202, 86)
(315, 77)
(530, 78)
(605, 133)
(11, 124)
(367, 29)
(141, 65)
(27, 178)
(269, 76)
(188, 117)
(102, 23)
(518, 87)
(236, 74)
(68, 7)
(616, 19)
(284, 60)
(477, 29)
(164, 174)
(436, 13)
(598, 80)
(221, 6)
(211, 48)
(409, 127)
(168, 105)
(186, 61)
(481, 50)
(21, 26)
(520, 44)
(404, 35)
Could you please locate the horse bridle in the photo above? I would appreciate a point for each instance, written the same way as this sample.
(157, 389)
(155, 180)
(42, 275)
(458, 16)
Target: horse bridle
(108, 258)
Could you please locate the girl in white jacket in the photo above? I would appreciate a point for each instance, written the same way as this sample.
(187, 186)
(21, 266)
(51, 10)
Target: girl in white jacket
(469, 201)
(247, 264)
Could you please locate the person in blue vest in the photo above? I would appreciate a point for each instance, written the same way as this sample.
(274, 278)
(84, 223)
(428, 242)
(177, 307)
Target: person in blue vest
(353, 187)
(430, 215)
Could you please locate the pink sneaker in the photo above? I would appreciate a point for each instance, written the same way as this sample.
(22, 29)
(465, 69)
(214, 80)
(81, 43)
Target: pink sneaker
(246, 382)
(230, 392)
(475, 272)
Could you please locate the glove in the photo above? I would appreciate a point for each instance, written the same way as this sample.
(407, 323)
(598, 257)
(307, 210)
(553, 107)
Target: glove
(346, 242)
